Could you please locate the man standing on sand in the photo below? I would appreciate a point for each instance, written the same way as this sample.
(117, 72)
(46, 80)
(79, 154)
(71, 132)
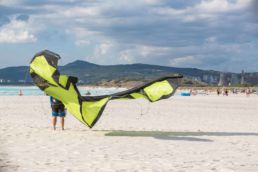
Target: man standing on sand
(58, 110)
(218, 91)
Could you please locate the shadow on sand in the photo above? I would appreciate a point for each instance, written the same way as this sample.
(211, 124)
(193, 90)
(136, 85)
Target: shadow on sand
(167, 135)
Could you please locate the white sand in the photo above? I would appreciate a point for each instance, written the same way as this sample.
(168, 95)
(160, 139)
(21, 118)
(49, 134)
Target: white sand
(204, 134)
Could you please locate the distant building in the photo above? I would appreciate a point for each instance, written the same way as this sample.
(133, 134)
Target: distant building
(205, 78)
(213, 79)
(80, 82)
(21, 81)
(196, 78)
(242, 77)
(251, 74)
(222, 80)
(210, 79)
(234, 79)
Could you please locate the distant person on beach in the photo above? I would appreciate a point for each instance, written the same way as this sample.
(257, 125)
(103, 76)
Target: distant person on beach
(58, 110)
(87, 93)
(218, 91)
(226, 92)
(20, 93)
(248, 92)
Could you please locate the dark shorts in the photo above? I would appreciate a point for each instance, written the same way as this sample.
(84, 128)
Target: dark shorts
(58, 111)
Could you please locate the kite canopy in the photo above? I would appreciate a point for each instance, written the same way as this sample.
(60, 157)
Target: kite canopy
(88, 109)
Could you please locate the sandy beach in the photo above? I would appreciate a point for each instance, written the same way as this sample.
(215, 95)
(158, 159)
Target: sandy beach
(197, 133)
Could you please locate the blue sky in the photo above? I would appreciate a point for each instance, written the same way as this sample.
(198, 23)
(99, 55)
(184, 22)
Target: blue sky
(207, 34)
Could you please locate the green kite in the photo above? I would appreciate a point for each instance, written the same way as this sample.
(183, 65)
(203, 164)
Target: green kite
(88, 109)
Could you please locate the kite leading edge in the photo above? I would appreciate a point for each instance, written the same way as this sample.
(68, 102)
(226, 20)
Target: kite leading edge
(88, 109)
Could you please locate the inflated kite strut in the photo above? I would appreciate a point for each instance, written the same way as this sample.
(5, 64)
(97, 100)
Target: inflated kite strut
(88, 109)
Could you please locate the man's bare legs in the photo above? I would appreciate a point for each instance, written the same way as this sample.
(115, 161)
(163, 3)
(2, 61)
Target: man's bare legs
(54, 122)
(62, 122)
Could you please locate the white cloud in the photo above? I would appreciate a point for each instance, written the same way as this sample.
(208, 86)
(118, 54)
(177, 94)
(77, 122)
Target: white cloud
(126, 56)
(211, 39)
(103, 53)
(80, 32)
(80, 12)
(152, 2)
(104, 48)
(206, 9)
(107, 51)
(168, 11)
(16, 31)
(217, 6)
(185, 61)
(145, 50)
(9, 2)
(82, 42)
(83, 36)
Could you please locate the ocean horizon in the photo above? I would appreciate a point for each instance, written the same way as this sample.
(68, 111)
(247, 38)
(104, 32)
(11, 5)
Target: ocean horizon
(35, 91)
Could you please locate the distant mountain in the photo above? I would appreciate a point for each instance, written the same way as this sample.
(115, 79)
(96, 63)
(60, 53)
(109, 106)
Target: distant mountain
(80, 64)
(89, 73)
(13, 74)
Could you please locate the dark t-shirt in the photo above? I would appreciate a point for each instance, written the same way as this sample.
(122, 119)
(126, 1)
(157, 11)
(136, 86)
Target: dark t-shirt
(55, 102)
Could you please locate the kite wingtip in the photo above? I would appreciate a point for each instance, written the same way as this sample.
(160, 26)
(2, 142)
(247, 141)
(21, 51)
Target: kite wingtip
(48, 52)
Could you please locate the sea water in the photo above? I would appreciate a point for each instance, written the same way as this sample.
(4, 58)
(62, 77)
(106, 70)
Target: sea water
(35, 91)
